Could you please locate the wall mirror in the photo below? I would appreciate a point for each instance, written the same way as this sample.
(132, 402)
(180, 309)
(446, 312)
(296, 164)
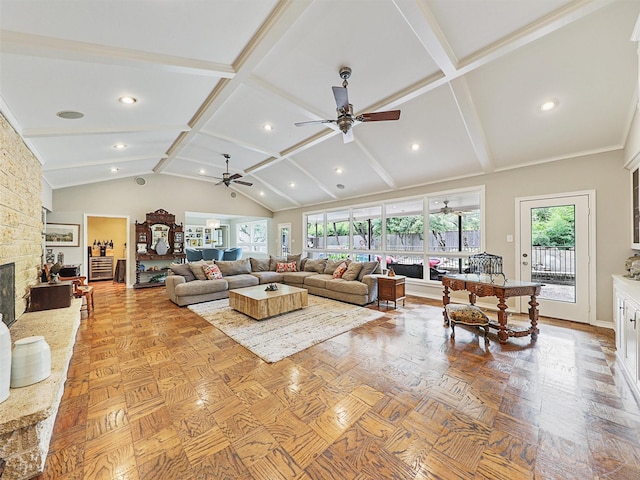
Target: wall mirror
(159, 231)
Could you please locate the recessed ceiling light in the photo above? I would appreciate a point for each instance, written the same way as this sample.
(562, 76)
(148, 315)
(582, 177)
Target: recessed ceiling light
(340, 186)
(113, 169)
(262, 194)
(548, 105)
(202, 171)
(338, 170)
(128, 100)
(292, 184)
(119, 146)
(268, 127)
(70, 115)
(415, 146)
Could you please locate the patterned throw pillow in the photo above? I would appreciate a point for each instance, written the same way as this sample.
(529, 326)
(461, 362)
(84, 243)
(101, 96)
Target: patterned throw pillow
(286, 267)
(337, 273)
(212, 272)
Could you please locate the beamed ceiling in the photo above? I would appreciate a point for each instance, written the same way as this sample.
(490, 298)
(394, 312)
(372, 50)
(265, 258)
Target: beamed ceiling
(468, 76)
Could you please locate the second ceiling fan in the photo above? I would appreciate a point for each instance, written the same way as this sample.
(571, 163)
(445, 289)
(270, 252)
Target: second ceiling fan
(227, 178)
(346, 119)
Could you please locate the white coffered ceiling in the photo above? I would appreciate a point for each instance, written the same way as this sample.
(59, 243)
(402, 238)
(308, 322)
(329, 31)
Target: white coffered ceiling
(469, 77)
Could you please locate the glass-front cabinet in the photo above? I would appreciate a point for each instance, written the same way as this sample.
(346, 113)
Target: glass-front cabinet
(159, 242)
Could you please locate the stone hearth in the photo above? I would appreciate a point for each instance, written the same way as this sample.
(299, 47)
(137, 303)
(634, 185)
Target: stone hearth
(28, 415)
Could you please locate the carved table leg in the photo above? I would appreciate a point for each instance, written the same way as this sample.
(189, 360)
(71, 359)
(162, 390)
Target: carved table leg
(533, 316)
(445, 302)
(502, 320)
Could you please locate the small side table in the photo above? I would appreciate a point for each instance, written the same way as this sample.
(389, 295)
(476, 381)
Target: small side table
(391, 289)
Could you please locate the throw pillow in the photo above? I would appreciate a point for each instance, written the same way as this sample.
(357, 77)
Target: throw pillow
(367, 269)
(196, 268)
(331, 266)
(234, 267)
(260, 264)
(315, 265)
(303, 261)
(212, 272)
(338, 272)
(286, 267)
(274, 262)
(352, 272)
(183, 270)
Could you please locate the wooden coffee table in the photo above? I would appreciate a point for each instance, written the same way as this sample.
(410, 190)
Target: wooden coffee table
(261, 304)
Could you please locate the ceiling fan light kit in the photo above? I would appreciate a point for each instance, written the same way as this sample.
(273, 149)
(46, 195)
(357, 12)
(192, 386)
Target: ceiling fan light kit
(227, 178)
(346, 119)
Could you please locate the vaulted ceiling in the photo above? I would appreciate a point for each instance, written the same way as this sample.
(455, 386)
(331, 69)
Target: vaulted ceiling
(468, 76)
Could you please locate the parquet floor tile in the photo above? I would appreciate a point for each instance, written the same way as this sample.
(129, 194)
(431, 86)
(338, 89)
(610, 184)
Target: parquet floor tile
(155, 392)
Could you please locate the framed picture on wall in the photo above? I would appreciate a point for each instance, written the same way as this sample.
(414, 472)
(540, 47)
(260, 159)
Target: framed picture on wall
(61, 235)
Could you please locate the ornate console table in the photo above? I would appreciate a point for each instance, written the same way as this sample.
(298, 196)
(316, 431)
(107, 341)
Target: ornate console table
(476, 287)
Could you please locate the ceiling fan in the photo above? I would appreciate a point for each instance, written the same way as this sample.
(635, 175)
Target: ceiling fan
(447, 210)
(346, 119)
(228, 179)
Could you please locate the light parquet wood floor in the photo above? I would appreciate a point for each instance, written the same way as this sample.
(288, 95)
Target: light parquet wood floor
(155, 392)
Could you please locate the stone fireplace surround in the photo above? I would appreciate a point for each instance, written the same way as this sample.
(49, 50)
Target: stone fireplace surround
(27, 417)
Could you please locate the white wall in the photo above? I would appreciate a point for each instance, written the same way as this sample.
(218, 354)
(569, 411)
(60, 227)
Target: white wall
(601, 172)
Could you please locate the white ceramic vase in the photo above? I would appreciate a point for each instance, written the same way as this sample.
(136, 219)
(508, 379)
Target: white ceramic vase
(5, 361)
(161, 247)
(30, 362)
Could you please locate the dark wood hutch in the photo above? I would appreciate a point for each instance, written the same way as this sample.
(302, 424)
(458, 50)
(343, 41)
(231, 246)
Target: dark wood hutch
(159, 242)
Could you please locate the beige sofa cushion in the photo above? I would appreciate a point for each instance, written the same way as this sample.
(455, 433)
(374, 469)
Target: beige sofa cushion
(296, 278)
(331, 266)
(260, 264)
(184, 270)
(319, 280)
(234, 267)
(268, 277)
(196, 268)
(367, 269)
(346, 286)
(241, 281)
(315, 265)
(200, 287)
(353, 270)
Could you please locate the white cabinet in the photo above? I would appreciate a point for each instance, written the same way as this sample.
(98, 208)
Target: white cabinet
(626, 302)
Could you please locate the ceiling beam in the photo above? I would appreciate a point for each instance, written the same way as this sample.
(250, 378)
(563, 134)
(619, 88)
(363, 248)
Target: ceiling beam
(281, 19)
(472, 124)
(50, 47)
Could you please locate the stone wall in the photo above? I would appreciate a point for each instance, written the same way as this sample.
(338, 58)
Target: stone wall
(20, 211)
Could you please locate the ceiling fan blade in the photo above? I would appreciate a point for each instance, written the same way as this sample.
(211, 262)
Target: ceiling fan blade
(242, 182)
(348, 136)
(379, 116)
(300, 124)
(234, 176)
(342, 98)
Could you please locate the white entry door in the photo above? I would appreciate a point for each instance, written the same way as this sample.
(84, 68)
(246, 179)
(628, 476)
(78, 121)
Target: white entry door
(284, 238)
(556, 248)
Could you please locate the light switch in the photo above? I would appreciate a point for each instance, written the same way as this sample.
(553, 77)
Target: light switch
(509, 238)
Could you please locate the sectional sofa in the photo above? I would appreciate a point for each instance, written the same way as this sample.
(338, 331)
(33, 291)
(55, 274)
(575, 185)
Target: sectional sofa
(351, 282)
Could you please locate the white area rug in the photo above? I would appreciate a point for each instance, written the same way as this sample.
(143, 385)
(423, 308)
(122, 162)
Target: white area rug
(283, 335)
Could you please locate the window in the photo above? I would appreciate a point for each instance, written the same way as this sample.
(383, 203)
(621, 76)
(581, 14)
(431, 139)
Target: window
(367, 228)
(252, 236)
(454, 228)
(315, 231)
(422, 238)
(338, 230)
